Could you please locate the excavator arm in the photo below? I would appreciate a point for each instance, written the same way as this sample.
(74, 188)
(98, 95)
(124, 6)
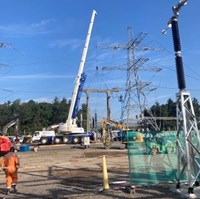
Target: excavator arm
(10, 124)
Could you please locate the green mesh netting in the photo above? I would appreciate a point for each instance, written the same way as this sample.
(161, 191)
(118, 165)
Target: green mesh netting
(152, 157)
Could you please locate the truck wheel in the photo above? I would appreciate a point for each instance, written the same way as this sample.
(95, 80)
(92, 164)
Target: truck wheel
(65, 140)
(75, 140)
(57, 140)
(44, 141)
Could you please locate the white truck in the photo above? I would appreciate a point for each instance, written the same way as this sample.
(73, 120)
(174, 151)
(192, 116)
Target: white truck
(49, 137)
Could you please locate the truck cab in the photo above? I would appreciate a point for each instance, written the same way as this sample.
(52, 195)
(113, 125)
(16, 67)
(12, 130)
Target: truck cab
(44, 137)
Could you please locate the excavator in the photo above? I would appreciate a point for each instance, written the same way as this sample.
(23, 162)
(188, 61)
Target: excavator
(107, 137)
(10, 124)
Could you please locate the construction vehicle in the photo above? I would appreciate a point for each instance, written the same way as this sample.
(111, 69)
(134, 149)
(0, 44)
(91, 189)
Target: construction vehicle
(5, 145)
(70, 128)
(10, 124)
(107, 138)
(49, 137)
(43, 136)
(155, 142)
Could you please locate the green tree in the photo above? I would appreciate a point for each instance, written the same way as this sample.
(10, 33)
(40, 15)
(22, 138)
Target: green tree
(5, 114)
(27, 119)
(171, 106)
(45, 113)
(60, 110)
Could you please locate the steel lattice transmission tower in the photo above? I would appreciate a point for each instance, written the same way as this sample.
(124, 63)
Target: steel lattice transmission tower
(188, 140)
(135, 89)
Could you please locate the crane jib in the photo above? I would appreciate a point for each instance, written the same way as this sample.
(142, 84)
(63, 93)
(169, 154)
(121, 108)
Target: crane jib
(80, 71)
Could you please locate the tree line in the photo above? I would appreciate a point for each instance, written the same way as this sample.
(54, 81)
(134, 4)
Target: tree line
(169, 110)
(36, 115)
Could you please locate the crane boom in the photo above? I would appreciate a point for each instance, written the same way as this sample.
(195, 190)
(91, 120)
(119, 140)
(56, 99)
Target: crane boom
(70, 125)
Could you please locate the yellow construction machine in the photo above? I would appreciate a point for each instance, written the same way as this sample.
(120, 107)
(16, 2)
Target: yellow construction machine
(106, 135)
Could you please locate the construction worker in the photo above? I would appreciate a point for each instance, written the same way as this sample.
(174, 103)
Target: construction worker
(17, 139)
(10, 164)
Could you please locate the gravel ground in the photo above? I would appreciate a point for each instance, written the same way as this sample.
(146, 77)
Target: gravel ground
(68, 171)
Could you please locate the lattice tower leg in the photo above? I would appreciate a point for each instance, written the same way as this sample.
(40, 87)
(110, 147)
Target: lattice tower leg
(188, 140)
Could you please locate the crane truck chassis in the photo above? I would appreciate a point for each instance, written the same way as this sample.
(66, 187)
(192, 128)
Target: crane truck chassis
(50, 137)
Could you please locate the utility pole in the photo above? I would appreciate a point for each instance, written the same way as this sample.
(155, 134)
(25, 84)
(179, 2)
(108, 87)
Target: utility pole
(108, 94)
(188, 140)
(88, 111)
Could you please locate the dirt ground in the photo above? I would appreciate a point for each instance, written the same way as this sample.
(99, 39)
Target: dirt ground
(70, 171)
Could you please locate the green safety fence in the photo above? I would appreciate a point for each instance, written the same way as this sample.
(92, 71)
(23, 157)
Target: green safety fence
(152, 157)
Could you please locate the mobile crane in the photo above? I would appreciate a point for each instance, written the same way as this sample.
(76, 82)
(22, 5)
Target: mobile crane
(70, 128)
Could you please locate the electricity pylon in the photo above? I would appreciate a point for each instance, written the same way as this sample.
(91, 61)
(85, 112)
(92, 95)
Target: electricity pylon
(135, 89)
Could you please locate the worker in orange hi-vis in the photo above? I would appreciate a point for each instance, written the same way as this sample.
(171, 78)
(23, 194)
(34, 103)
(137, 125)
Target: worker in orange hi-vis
(10, 164)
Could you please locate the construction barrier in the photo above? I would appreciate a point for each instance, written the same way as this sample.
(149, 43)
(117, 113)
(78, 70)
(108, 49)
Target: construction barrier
(24, 148)
(152, 157)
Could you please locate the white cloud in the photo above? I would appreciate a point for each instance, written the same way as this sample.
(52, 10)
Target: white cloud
(73, 43)
(40, 27)
(43, 99)
(43, 23)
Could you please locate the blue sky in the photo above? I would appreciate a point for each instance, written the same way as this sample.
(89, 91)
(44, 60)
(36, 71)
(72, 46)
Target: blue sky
(43, 43)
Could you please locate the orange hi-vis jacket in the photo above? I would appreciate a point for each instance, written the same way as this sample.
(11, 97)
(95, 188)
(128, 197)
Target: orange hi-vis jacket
(10, 164)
